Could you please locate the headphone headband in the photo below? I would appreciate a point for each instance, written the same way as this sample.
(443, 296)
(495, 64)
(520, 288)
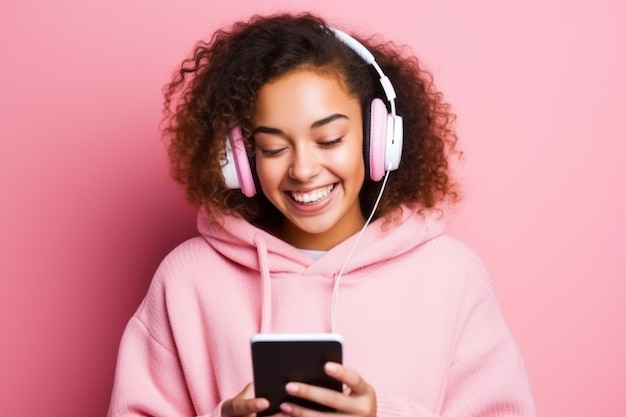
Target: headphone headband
(367, 56)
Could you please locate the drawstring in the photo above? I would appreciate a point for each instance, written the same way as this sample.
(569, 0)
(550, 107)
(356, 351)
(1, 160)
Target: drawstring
(266, 292)
(266, 303)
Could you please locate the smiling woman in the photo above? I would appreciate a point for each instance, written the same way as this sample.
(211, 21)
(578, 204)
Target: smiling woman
(336, 228)
(308, 134)
(219, 85)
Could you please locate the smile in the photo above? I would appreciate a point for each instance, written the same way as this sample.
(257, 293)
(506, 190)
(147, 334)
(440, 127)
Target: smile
(312, 197)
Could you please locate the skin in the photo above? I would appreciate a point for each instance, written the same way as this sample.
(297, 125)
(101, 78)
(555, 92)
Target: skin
(308, 135)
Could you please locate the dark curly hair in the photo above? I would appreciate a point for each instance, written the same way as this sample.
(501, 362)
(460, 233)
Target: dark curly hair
(218, 84)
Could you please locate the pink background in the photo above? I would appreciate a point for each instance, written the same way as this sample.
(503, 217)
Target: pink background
(88, 210)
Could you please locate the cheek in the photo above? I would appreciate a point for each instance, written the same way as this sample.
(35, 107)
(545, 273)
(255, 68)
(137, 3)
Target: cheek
(359, 170)
(351, 164)
(267, 173)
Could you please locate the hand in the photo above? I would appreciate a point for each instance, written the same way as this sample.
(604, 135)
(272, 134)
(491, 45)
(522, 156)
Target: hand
(244, 404)
(357, 399)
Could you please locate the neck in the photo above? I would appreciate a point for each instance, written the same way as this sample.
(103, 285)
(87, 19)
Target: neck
(318, 241)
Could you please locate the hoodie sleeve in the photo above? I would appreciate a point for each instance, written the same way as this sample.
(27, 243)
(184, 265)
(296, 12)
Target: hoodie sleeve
(149, 379)
(486, 377)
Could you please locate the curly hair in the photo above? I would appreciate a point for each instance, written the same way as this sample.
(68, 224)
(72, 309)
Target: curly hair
(219, 83)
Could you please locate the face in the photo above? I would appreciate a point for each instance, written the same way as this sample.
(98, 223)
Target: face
(308, 138)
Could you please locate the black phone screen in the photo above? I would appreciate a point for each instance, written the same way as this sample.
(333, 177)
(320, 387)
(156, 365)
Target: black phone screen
(279, 359)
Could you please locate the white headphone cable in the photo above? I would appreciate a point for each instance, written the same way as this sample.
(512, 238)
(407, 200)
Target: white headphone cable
(345, 264)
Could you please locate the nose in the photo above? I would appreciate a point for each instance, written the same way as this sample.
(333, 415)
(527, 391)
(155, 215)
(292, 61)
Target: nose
(304, 165)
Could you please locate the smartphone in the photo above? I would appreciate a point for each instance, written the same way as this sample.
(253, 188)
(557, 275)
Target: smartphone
(284, 357)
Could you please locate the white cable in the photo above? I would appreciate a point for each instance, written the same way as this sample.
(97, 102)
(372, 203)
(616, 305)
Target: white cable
(345, 264)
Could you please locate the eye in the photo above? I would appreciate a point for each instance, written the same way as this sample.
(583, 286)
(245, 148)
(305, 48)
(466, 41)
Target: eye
(330, 143)
(269, 153)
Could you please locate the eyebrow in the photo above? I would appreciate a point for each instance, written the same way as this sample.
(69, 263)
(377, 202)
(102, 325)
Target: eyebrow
(314, 125)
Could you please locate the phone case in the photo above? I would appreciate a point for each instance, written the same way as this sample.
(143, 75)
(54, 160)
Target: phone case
(280, 358)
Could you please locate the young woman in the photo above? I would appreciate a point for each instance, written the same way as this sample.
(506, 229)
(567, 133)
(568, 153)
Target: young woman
(319, 166)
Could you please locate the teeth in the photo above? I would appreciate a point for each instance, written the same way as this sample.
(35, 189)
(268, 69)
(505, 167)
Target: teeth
(313, 196)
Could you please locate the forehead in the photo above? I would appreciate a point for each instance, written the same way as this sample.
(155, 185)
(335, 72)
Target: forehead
(303, 95)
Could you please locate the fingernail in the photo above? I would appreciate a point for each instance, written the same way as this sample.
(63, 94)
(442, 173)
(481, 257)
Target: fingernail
(331, 367)
(261, 404)
(286, 408)
(292, 388)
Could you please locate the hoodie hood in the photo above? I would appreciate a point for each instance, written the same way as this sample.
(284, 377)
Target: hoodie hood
(239, 241)
(257, 250)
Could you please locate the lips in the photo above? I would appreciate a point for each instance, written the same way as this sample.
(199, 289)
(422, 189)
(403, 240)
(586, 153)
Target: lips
(313, 196)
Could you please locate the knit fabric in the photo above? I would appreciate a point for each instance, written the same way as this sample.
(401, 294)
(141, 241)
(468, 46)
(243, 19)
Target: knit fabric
(416, 309)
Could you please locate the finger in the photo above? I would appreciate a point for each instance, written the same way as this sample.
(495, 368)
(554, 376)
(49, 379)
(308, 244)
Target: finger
(319, 395)
(244, 403)
(247, 391)
(362, 405)
(351, 379)
(242, 407)
(292, 410)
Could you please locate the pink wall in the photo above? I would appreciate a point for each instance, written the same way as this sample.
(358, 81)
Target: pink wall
(87, 209)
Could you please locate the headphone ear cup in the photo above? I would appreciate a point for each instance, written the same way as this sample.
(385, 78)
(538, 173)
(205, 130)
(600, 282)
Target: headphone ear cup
(366, 139)
(376, 128)
(237, 172)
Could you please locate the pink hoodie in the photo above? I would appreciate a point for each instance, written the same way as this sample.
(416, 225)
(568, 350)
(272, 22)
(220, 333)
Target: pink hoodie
(416, 309)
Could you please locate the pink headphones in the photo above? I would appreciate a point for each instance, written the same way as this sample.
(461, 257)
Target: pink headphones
(382, 141)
